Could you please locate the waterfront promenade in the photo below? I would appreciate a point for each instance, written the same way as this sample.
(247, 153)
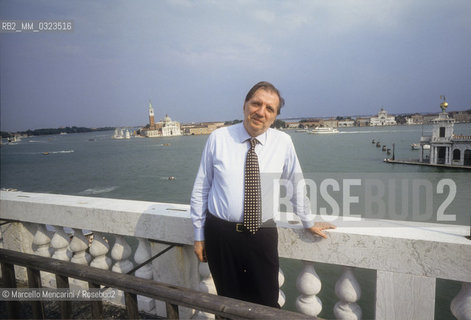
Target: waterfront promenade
(407, 257)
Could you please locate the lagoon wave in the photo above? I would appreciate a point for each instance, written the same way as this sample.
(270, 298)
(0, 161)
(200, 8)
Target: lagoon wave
(97, 190)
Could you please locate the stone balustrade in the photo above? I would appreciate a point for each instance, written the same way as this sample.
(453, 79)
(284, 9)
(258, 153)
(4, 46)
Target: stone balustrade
(408, 257)
(461, 137)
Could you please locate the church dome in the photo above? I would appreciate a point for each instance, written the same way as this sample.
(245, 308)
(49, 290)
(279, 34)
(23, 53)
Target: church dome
(167, 118)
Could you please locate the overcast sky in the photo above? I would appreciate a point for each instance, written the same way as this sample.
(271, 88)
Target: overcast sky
(196, 60)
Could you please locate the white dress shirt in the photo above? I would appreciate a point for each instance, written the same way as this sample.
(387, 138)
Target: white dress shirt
(219, 184)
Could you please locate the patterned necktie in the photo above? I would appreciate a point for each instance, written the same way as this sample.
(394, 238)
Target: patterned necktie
(252, 191)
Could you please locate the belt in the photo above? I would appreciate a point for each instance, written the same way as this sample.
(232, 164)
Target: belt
(237, 226)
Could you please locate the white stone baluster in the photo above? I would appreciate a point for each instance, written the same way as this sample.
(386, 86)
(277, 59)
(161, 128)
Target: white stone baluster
(42, 241)
(143, 253)
(348, 291)
(461, 304)
(60, 243)
(98, 250)
(120, 252)
(206, 285)
(309, 284)
(42, 247)
(78, 246)
(281, 281)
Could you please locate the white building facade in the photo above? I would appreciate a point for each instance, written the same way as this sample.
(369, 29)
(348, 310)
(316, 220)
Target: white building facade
(346, 123)
(445, 147)
(164, 128)
(169, 127)
(383, 119)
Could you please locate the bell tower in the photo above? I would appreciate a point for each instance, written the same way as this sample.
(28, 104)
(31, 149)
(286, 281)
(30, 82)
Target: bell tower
(151, 115)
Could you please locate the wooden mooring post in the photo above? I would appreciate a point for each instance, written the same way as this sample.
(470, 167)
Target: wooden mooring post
(34, 281)
(66, 306)
(9, 281)
(97, 305)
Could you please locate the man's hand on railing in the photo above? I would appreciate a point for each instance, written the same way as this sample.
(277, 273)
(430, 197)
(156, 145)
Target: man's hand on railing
(200, 251)
(318, 227)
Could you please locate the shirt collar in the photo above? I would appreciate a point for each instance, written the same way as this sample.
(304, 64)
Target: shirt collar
(243, 135)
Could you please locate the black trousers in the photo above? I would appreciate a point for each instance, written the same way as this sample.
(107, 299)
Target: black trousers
(244, 266)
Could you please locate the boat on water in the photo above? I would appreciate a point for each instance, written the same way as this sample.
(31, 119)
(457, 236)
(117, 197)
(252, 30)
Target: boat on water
(323, 130)
(416, 146)
(118, 134)
(13, 140)
(121, 134)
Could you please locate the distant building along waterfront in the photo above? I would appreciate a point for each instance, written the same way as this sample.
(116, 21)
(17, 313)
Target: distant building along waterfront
(332, 123)
(446, 147)
(383, 119)
(346, 123)
(201, 128)
(417, 119)
(362, 122)
(292, 125)
(163, 128)
(428, 118)
(311, 123)
(462, 116)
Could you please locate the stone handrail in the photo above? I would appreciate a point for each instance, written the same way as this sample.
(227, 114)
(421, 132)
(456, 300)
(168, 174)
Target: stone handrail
(408, 256)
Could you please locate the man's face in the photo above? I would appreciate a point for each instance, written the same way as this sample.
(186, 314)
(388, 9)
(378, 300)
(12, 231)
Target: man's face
(260, 112)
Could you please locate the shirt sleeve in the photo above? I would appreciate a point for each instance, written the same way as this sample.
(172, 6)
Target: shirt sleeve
(201, 188)
(293, 173)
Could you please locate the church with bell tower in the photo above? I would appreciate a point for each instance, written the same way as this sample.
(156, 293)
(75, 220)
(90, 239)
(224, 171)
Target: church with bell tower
(163, 128)
(151, 115)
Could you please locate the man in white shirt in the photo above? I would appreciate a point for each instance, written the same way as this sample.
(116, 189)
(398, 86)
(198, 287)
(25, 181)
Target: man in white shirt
(244, 264)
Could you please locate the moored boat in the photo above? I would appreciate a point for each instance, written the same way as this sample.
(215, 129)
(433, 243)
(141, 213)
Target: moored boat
(118, 134)
(324, 130)
(416, 146)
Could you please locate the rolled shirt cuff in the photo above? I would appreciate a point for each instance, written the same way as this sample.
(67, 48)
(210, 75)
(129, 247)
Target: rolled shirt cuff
(308, 224)
(199, 234)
